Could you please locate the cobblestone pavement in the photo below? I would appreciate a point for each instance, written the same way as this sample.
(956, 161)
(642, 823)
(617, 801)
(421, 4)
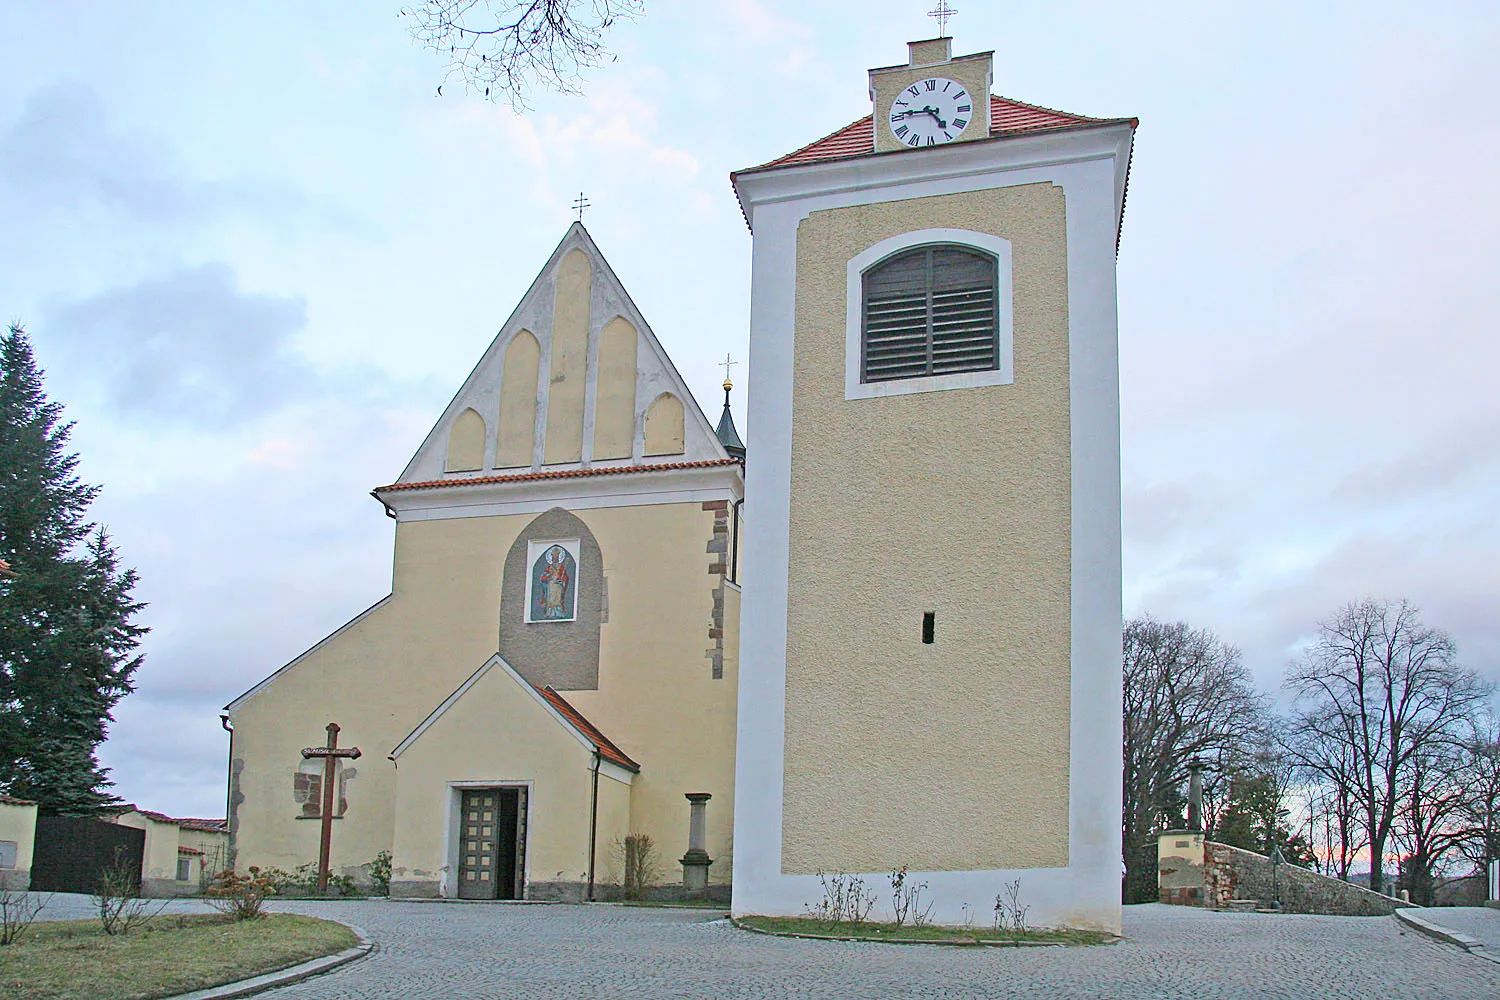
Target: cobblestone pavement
(1480, 922)
(453, 950)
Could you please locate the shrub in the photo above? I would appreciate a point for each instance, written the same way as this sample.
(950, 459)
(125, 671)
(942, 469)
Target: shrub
(117, 900)
(380, 873)
(17, 911)
(240, 896)
(642, 864)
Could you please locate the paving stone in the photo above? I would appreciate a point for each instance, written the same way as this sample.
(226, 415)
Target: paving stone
(485, 951)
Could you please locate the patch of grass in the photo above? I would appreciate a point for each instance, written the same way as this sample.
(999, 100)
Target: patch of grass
(928, 932)
(75, 960)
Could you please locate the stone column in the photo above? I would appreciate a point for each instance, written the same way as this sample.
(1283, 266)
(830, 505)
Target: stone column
(1195, 797)
(696, 861)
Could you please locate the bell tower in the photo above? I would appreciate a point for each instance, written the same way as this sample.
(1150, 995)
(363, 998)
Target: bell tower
(930, 642)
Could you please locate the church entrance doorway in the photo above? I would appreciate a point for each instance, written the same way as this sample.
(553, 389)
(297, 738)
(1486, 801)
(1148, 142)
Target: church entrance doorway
(492, 843)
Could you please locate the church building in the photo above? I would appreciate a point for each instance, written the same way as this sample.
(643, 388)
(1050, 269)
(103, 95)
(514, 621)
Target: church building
(555, 665)
(930, 662)
(925, 670)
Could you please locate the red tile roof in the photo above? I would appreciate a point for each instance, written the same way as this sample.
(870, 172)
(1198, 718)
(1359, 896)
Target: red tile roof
(11, 800)
(607, 749)
(526, 477)
(206, 825)
(1007, 117)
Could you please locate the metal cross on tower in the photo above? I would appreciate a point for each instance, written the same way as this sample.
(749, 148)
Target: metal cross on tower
(580, 203)
(728, 364)
(331, 752)
(941, 13)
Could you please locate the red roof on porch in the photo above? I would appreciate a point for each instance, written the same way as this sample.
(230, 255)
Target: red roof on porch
(602, 743)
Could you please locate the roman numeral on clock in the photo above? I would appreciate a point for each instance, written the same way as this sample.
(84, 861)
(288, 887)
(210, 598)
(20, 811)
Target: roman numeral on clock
(901, 132)
(965, 108)
(913, 91)
(960, 124)
(932, 85)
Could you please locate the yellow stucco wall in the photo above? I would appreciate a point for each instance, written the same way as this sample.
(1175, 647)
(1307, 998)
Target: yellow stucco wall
(614, 394)
(381, 677)
(466, 443)
(160, 858)
(570, 348)
(664, 426)
(950, 756)
(517, 431)
(18, 824)
(467, 745)
(662, 705)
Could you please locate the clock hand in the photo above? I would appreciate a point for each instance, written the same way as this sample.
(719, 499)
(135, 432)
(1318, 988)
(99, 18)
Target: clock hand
(934, 113)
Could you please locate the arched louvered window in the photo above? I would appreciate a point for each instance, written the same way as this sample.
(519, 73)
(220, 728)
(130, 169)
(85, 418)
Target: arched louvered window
(931, 310)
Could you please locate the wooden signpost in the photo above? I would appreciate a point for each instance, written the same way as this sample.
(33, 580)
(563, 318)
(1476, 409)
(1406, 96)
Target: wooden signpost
(331, 753)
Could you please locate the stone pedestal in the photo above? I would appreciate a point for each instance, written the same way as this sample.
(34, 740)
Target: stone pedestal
(1180, 857)
(696, 861)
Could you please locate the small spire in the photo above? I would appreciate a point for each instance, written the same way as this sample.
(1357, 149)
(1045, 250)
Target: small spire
(728, 436)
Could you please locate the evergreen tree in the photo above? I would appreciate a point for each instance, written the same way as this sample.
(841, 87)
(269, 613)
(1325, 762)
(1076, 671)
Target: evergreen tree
(1253, 819)
(67, 639)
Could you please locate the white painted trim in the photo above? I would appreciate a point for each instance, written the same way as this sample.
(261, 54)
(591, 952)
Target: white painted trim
(722, 482)
(991, 245)
(1087, 165)
(762, 189)
(609, 769)
(257, 689)
(448, 877)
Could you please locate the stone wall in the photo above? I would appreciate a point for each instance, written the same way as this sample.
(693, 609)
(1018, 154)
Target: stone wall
(1232, 873)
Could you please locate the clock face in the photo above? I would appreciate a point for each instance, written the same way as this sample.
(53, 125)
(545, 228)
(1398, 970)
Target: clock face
(931, 112)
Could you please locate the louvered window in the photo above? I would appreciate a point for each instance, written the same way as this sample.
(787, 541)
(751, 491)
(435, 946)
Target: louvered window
(930, 311)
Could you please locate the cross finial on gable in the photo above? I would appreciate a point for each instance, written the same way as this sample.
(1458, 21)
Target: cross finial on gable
(941, 13)
(580, 203)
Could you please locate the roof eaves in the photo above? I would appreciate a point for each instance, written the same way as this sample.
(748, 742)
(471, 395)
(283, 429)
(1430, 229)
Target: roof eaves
(528, 477)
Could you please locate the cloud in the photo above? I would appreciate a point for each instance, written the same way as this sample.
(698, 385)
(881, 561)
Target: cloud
(64, 153)
(190, 345)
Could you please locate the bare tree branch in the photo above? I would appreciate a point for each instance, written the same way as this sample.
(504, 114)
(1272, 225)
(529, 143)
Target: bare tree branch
(502, 48)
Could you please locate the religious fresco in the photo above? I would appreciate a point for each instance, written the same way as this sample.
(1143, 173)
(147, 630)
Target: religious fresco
(552, 587)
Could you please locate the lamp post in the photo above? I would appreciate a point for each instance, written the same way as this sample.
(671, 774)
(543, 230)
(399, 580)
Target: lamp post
(1276, 861)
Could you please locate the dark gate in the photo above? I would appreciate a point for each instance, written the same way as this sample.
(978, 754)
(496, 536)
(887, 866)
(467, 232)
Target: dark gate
(72, 852)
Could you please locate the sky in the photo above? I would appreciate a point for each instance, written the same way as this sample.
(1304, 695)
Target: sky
(257, 254)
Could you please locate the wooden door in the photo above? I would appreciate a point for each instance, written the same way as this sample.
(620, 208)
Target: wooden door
(492, 844)
(478, 844)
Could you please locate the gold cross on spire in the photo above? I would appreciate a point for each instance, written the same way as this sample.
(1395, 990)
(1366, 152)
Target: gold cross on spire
(941, 13)
(580, 203)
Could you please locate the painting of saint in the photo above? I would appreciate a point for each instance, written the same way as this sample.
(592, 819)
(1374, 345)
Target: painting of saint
(553, 588)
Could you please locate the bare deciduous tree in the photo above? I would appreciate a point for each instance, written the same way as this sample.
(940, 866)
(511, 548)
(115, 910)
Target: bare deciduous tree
(1478, 818)
(1376, 693)
(503, 47)
(1187, 696)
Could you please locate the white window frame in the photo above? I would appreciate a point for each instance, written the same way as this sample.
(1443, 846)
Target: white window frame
(534, 549)
(995, 247)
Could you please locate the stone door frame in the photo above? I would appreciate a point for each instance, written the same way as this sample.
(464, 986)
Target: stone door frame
(448, 884)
